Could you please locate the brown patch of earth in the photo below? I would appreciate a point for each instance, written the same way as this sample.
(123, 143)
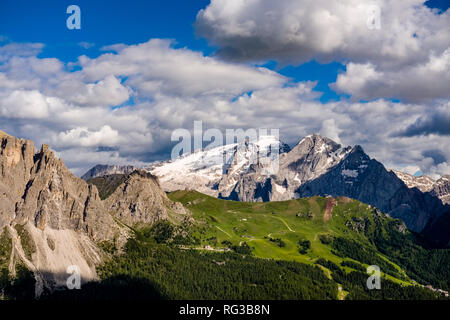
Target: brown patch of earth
(329, 205)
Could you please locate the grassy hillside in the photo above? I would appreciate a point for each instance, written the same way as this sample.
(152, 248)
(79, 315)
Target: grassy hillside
(260, 225)
(338, 230)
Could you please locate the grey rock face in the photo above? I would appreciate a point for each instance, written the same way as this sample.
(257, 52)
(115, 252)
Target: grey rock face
(309, 159)
(423, 183)
(441, 189)
(53, 197)
(40, 197)
(16, 164)
(103, 170)
(248, 159)
(140, 199)
(61, 217)
(319, 166)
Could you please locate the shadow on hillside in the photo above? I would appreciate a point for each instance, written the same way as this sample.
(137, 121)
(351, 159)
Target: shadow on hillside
(121, 287)
(21, 288)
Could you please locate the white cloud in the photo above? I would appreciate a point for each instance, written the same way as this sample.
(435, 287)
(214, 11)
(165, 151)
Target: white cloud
(10, 50)
(86, 45)
(155, 68)
(330, 130)
(296, 31)
(81, 159)
(411, 169)
(416, 83)
(82, 137)
(173, 87)
(403, 59)
(107, 92)
(28, 105)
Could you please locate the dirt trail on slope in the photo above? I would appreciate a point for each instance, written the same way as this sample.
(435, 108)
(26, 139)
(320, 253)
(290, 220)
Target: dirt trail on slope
(224, 231)
(284, 222)
(287, 226)
(329, 205)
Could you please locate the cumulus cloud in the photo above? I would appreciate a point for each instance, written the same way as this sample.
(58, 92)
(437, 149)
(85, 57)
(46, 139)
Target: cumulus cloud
(76, 111)
(416, 83)
(437, 155)
(437, 122)
(107, 92)
(330, 130)
(41, 99)
(29, 105)
(10, 50)
(404, 58)
(155, 68)
(82, 137)
(296, 31)
(411, 169)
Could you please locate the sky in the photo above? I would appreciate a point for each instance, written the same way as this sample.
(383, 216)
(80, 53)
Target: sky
(374, 73)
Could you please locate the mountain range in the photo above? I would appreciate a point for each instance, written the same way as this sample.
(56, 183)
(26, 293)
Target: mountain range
(51, 220)
(316, 166)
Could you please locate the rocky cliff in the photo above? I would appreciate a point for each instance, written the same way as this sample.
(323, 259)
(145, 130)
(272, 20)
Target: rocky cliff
(140, 199)
(103, 170)
(441, 189)
(423, 183)
(56, 220)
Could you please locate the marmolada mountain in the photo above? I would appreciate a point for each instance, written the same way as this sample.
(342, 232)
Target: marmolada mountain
(326, 214)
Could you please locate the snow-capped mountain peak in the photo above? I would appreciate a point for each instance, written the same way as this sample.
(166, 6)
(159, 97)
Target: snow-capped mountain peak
(423, 183)
(203, 169)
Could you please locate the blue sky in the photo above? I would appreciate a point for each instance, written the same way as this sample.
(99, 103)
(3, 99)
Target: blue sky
(389, 90)
(103, 23)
